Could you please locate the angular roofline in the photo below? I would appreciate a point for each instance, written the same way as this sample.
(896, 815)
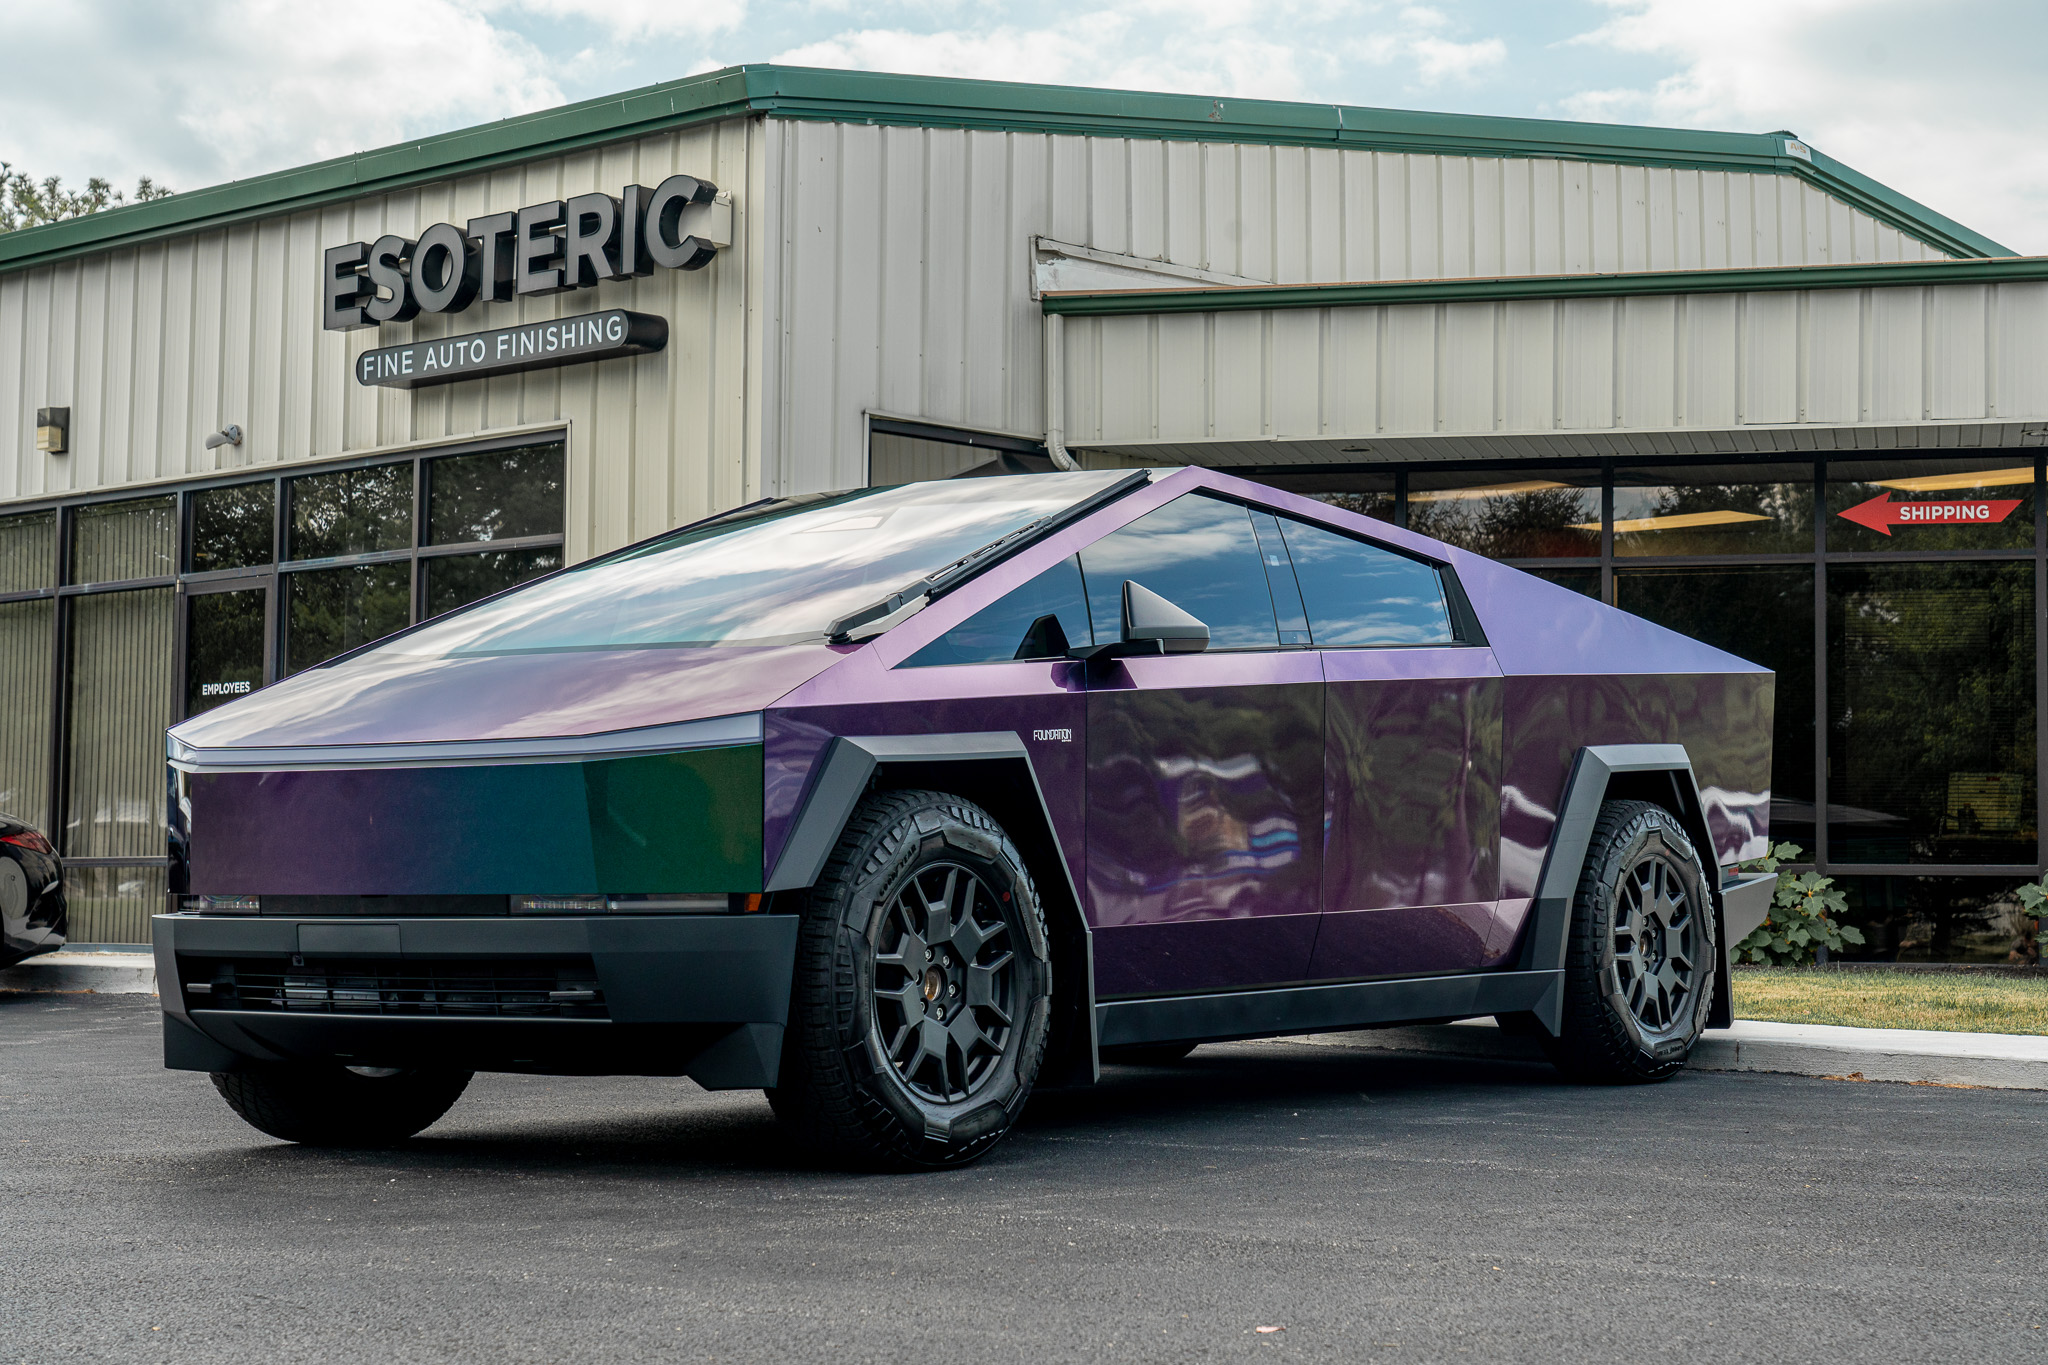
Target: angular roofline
(945, 102)
(1735, 280)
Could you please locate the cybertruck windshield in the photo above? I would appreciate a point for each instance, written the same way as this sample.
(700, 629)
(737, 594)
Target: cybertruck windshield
(779, 577)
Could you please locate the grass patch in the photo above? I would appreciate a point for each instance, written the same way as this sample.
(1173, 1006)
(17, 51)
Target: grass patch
(1960, 1002)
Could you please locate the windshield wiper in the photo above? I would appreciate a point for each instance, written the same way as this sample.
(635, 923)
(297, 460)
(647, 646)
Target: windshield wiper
(864, 623)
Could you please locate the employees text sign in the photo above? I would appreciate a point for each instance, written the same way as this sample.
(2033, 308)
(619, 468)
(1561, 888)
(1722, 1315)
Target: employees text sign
(508, 350)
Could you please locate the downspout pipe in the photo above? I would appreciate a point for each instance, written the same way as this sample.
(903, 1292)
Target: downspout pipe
(1055, 393)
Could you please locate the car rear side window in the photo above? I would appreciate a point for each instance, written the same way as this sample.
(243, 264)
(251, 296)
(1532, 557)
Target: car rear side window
(1043, 619)
(1363, 594)
(1198, 553)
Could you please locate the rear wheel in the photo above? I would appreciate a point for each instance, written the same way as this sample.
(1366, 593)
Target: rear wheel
(1642, 955)
(340, 1106)
(923, 989)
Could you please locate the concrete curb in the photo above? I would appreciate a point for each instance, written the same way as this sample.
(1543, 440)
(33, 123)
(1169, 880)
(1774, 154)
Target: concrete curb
(98, 973)
(2004, 1061)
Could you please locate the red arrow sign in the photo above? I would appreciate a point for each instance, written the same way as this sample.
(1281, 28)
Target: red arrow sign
(1880, 514)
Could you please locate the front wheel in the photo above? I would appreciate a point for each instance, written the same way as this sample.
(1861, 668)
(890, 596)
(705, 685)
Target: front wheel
(340, 1106)
(1642, 956)
(923, 989)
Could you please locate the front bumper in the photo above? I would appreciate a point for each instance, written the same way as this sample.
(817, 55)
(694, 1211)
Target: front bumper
(705, 996)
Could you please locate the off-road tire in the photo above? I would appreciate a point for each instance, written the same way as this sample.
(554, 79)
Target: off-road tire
(1148, 1054)
(333, 1106)
(858, 1082)
(1631, 1014)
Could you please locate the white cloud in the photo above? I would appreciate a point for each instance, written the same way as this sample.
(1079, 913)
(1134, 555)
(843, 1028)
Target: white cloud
(228, 88)
(625, 20)
(1263, 49)
(1941, 105)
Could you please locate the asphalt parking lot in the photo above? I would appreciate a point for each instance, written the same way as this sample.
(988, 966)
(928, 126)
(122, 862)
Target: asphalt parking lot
(1372, 1207)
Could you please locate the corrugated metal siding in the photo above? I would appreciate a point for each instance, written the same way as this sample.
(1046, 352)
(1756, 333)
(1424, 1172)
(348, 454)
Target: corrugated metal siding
(901, 279)
(153, 348)
(1822, 357)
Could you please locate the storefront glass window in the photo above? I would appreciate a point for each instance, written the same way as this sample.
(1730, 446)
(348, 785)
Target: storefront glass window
(1931, 713)
(331, 611)
(1585, 581)
(224, 645)
(122, 698)
(1933, 919)
(28, 552)
(1764, 615)
(1369, 495)
(499, 495)
(351, 512)
(1726, 510)
(25, 643)
(453, 581)
(1509, 515)
(113, 904)
(232, 528)
(112, 541)
(1981, 504)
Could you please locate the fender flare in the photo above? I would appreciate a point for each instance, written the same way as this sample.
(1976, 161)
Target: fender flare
(1593, 770)
(845, 772)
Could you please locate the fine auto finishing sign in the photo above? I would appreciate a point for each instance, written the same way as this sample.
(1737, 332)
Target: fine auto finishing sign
(508, 350)
(1880, 513)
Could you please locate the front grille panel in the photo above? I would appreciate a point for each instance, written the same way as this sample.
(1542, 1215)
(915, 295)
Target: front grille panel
(514, 988)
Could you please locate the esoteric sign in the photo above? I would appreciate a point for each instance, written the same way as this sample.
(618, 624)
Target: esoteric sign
(546, 248)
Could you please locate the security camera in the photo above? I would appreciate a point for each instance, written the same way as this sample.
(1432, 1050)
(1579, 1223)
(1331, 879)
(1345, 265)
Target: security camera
(227, 436)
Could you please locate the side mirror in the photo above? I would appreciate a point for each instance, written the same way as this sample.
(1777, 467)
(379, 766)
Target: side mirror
(1152, 625)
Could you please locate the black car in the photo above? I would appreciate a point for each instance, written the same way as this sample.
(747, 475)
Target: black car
(32, 916)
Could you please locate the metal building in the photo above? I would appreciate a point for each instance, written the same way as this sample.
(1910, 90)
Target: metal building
(1684, 371)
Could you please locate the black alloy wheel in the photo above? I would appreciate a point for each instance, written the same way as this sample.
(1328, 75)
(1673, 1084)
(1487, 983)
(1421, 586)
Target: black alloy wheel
(945, 982)
(922, 997)
(1642, 960)
(1653, 944)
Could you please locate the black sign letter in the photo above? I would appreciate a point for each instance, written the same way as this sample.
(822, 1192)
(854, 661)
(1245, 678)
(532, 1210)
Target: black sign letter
(494, 256)
(664, 221)
(444, 270)
(590, 247)
(344, 287)
(536, 250)
(633, 259)
(388, 258)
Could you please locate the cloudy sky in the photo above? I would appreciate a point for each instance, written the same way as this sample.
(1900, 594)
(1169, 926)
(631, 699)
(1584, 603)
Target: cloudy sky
(1940, 102)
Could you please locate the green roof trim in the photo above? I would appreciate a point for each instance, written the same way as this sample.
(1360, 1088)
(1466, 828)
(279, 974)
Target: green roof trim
(944, 102)
(1240, 298)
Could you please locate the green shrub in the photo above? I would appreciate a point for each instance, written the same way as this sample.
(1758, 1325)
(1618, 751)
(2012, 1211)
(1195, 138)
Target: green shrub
(1803, 918)
(2026, 951)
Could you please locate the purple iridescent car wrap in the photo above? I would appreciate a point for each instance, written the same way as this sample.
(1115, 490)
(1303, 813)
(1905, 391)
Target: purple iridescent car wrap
(898, 802)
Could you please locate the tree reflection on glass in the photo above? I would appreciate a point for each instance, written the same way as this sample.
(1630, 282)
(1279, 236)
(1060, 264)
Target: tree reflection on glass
(1724, 511)
(1509, 518)
(332, 611)
(1931, 713)
(355, 511)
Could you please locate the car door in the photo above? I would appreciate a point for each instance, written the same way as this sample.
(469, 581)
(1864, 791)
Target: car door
(1204, 771)
(1412, 864)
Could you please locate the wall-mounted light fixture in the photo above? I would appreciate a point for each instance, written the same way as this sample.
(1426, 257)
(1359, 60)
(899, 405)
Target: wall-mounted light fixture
(229, 435)
(53, 430)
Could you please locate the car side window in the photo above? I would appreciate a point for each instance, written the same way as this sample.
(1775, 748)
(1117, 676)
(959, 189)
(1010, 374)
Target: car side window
(1200, 554)
(1363, 594)
(1040, 620)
